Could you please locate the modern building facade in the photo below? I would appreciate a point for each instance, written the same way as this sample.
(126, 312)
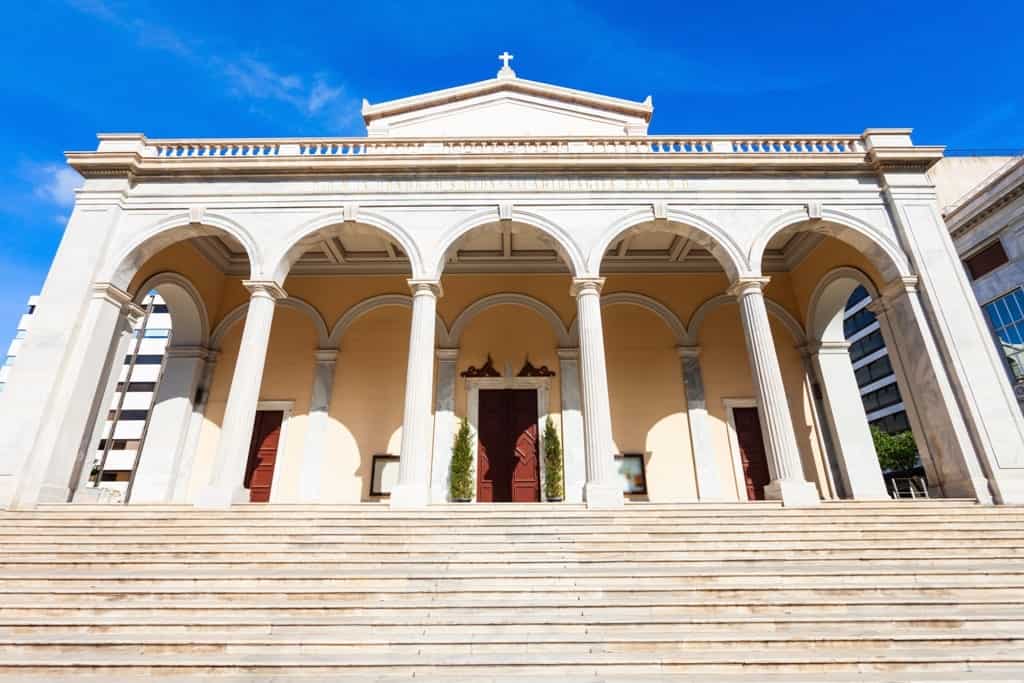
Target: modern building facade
(508, 251)
(986, 227)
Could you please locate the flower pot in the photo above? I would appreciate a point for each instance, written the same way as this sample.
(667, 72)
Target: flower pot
(462, 500)
(555, 499)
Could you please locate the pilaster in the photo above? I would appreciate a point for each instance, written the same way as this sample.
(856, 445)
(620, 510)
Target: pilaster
(315, 446)
(709, 483)
(444, 424)
(573, 451)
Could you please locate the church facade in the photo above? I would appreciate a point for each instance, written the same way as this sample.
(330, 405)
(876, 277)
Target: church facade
(508, 252)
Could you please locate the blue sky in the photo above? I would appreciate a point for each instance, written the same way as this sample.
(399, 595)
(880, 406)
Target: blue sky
(953, 71)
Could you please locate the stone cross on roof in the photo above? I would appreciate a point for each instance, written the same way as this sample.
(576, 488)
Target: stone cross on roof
(506, 71)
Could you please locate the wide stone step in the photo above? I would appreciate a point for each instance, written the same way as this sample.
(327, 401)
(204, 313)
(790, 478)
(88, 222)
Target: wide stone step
(503, 581)
(586, 661)
(517, 630)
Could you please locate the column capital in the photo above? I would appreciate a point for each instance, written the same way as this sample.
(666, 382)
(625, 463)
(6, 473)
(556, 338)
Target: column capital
(897, 287)
(324, 356)
(265, 288)
(585, 285)
(447, 354)
(825, 348)
(110, 293)
(200, 352)
(424, 287)
(688, 351)
(569, 353)
(133, 312)
(745, 285)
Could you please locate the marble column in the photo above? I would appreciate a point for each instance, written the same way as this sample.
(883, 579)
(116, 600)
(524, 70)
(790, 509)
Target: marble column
(603, 487)
(315, 447)
(99, 348)
(183, 480)
(82, 492)
(413, 488)
(788, 483)
(226, 484)
(709, 483)
(858, 462)
(940, 432)
(573, 458)
(167, 432)
(444, 424)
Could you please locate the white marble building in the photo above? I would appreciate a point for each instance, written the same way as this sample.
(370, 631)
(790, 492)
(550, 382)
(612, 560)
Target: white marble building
(658, 292)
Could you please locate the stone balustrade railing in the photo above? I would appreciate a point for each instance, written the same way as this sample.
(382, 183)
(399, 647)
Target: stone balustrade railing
(351, 147)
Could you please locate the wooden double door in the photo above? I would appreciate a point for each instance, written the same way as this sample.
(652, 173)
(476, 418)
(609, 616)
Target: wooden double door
(752, 453)
(508, 458)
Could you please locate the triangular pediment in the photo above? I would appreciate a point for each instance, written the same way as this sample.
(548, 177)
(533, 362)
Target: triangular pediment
(507, 107)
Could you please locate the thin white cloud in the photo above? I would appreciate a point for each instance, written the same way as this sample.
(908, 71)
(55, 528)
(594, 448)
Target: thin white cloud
(245, 77)
(54, 183)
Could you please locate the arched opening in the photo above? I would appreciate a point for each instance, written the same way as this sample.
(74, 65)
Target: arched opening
(150, 395)
(860, 391)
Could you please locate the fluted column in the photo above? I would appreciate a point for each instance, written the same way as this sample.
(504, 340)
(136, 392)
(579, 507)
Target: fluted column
(709, 484)
(788, 483)
(225, 486)
(603, 487)
(316, 430)
(444, 424)
(413, 488)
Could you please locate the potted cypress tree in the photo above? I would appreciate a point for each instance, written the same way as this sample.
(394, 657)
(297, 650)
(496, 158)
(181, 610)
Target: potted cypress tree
(554, 490)
(460, 475)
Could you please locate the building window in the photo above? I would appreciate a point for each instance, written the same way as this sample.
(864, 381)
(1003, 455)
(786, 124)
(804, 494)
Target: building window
(866, 345)
(157, 333)
(874, 371)
(881, 398)
(120, 444)
(144, 359)
(158, 308)
(128, 414)
(892, 424)
(986, 260)
(1006, 315)
(136, 386)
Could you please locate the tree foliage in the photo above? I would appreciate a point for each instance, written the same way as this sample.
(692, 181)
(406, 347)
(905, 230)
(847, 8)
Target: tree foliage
(460, 480)
(895, 451)
(553, 485)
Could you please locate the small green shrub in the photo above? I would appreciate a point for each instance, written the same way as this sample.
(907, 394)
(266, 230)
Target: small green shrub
(895, 451)
(460, 480)
(553, 486)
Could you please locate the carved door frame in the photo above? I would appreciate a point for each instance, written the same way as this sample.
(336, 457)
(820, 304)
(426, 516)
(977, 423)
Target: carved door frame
(542, 385)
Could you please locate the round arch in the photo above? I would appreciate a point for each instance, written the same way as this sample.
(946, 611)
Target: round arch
(172, 230)
(709, 235)
(297, 240)
(562, 241)
(349, 317)
(185, 304)
(825, 311)
(675, 325)
(775, 309)
(509, 299)
(883, 252)
(237, 314)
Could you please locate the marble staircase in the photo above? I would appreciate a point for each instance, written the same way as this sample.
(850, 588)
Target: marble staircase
(902, 591)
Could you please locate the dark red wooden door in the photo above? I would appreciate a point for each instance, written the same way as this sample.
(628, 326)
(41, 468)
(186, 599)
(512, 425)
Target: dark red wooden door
(752, 454)
(259, 472)
(508, 466)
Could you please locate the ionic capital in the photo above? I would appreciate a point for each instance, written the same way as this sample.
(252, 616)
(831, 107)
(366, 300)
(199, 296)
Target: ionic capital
(425, 288)
(745, 285)
(586, 285)
(197, 352)
(267, 289)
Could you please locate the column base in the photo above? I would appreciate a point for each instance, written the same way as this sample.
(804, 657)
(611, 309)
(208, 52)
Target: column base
(603, 496)
(222, 498)
(410, 496)
(792, 492)
(978, 488)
